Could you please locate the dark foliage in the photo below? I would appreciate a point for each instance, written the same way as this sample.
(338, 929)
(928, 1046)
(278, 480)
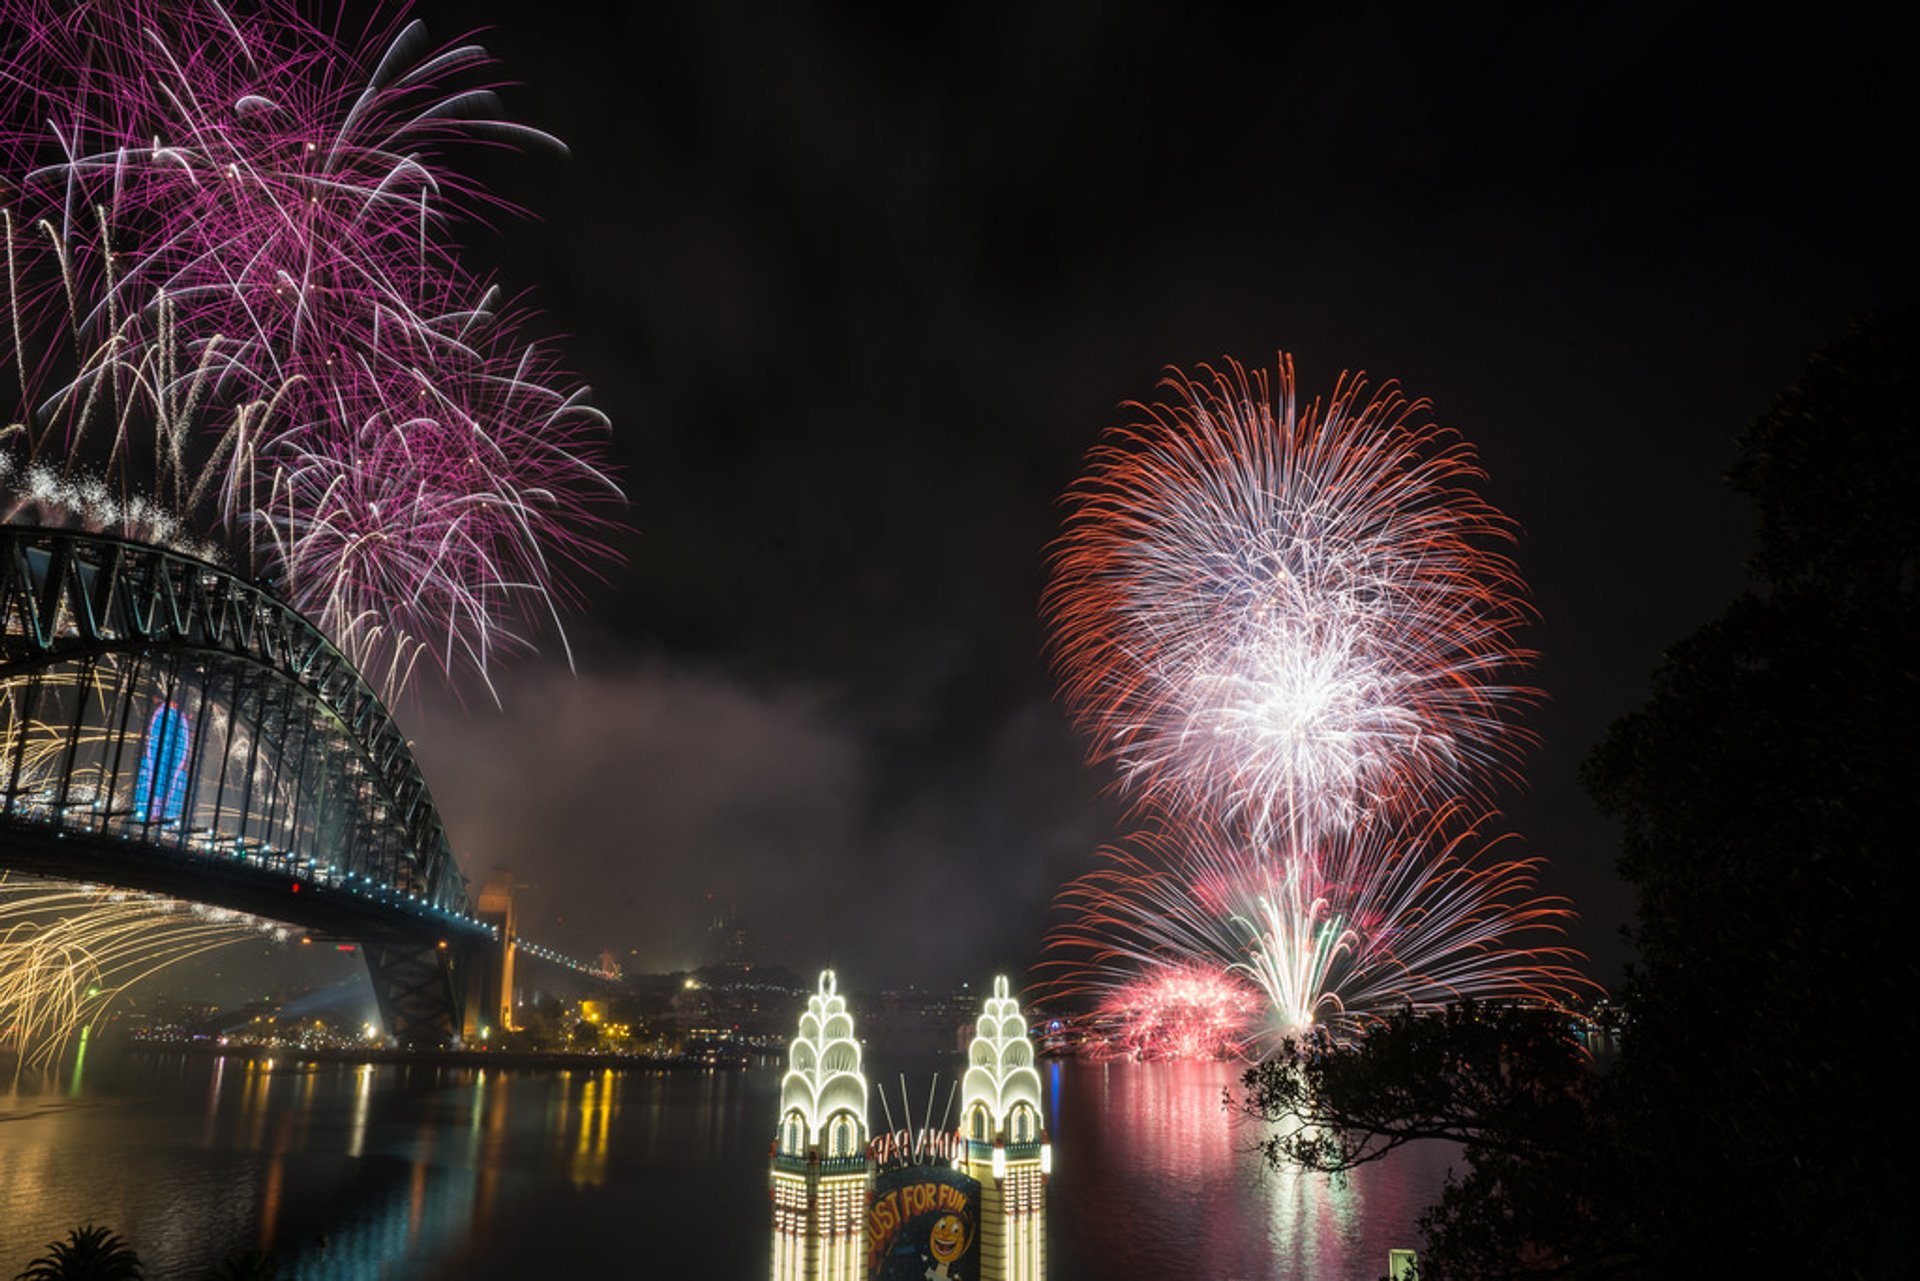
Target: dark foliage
(91, 1253)
(1495, 1079)
(1758, 1121)
(1765, 795)
(1511, 1086)
(249, 1265)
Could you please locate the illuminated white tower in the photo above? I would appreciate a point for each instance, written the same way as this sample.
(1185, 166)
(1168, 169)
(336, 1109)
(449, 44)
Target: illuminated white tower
(1006, 1144)
(819, 1175)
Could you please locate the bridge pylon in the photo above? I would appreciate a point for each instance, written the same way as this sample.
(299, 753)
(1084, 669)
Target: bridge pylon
(491, 1005)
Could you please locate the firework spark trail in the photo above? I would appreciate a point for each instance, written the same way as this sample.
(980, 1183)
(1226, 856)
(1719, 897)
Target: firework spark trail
(68, 952)
(1371, 920)
(1288, 617)
(275, 177)
(250, 219)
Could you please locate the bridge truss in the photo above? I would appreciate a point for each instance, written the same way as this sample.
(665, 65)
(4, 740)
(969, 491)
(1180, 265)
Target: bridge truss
(166, 726)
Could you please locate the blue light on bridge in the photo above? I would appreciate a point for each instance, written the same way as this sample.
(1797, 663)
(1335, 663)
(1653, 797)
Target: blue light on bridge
(160, 789)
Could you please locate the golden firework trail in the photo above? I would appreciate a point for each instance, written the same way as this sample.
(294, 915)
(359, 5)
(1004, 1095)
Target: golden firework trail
(68, 952)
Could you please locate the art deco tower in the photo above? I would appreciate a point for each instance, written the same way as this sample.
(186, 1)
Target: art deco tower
(1006, 1144)
(819, 1175)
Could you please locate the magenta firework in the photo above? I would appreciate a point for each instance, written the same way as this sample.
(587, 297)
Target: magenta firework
(244, 221)
(1285, 615)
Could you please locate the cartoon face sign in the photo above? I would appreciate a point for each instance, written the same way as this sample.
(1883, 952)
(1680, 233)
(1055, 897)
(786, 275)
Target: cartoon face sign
(948, 1240)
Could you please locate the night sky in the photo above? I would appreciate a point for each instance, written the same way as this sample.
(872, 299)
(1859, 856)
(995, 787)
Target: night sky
(860, 290)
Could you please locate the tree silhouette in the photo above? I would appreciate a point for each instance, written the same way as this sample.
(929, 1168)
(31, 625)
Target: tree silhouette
(1765, 794)
(1757, 1121)
(1512, 1086)
(248, 1265)
(89, 1253)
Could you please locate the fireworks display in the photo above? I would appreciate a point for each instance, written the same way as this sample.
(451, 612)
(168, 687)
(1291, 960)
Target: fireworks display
(238, 324)
(1294, 633)
(1286, 614)
(239, 223)
(1177, 1010)
(1306, 936)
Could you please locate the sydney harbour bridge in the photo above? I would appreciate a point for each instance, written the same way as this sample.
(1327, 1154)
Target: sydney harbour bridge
(167, 727)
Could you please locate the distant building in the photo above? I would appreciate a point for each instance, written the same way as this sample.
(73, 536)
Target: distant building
(727, 943)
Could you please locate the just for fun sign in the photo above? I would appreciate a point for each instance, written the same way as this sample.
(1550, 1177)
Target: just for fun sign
(923, 1225)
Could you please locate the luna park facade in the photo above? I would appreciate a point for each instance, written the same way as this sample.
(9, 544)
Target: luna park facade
(912, 1204)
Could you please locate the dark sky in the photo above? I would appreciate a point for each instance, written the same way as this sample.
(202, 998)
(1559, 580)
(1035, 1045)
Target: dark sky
(860, 289)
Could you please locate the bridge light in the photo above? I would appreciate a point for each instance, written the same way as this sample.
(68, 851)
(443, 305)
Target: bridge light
(296, 887)
(443, 945)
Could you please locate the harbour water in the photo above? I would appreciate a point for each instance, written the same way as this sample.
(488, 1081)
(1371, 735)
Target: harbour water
(409, 1171)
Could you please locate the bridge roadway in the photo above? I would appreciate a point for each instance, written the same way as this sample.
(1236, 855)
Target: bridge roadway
(168, 727)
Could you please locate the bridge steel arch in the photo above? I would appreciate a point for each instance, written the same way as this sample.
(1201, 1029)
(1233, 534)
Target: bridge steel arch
(168, 727)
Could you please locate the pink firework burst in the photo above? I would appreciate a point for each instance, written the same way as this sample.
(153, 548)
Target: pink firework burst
(250, 217)
(1293, 618)
(1182, 1011)
(270, 176)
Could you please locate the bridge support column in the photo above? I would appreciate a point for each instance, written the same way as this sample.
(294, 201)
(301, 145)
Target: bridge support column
(494, 978)
(489, 1007)
(422, 990)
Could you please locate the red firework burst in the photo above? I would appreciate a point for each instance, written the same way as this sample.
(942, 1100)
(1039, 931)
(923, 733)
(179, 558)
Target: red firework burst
(1291, 617)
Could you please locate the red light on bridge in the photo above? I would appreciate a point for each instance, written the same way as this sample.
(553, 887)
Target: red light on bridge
(296, 887)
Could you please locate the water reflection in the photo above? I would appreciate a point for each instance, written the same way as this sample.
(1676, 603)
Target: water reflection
(420, 1172)
(597, 1106)
(362, 1100)
(80, 1062)
(1153, 1167)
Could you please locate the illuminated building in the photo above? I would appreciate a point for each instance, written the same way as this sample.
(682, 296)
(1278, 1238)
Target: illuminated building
(819, 1165)
(920, 1201)
(1006, 1144)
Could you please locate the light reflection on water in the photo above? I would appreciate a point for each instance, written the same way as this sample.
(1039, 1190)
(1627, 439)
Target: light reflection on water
(347, 1171)
(1154, 1169)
